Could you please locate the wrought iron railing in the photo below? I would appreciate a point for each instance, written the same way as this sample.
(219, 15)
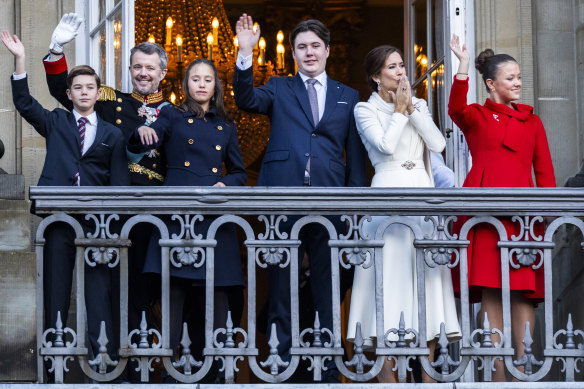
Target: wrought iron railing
(268, 246)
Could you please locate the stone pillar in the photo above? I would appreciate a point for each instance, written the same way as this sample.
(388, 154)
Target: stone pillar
(33, 22)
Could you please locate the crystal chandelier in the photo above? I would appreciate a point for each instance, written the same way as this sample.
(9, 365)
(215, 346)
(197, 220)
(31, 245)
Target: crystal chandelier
(191, 29)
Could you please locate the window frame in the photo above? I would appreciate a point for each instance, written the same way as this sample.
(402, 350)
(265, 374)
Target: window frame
(458, 19)
(86, 48)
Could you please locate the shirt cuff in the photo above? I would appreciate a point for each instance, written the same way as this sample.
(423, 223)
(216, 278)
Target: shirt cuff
(244, 63)
(16, 77)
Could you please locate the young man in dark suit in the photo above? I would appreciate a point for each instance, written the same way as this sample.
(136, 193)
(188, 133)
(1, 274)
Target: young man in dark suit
(313, 142)
(82, 150)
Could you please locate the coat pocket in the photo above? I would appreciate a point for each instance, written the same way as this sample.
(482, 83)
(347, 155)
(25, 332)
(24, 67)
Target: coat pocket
(279, 155)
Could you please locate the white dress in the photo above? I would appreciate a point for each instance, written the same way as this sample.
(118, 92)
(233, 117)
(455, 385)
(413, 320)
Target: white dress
(391, 139)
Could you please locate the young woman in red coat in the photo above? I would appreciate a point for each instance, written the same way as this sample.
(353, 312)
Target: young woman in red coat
(506, 140)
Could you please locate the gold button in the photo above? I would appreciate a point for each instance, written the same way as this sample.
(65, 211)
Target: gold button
(217, 147)
(187, 164)
(191, 141)
(214, 170)
(118, 109)
(149, 176)
(118, 121)
(190, 121)
(154, 166)
(219, 128)
(119, 100)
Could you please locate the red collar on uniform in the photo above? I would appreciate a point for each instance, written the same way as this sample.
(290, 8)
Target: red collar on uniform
(152, 98)
(521, 111)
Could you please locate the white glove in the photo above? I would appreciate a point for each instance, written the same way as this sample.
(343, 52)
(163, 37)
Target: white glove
(65, 32)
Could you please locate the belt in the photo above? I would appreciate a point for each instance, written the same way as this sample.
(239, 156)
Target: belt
(135, 168)
(400, 165)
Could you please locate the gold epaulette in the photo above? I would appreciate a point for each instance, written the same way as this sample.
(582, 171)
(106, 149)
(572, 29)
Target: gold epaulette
(107, 93)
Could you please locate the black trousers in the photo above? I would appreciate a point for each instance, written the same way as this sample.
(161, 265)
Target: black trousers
(314, 238)
(101, 288)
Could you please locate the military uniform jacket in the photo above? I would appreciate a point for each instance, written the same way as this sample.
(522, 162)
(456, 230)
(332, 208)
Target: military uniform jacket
(104, 163)
(124, 110)
(196, 150)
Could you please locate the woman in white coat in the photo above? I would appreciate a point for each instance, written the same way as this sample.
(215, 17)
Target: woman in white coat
(398, 133)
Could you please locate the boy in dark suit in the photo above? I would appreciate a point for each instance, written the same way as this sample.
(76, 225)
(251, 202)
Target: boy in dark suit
(83, 150)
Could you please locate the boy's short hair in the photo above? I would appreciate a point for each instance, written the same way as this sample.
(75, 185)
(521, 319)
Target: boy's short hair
(82, 70)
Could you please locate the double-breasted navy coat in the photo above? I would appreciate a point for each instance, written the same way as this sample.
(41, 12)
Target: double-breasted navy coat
(196, 149)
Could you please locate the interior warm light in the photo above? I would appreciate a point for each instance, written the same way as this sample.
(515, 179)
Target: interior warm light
(172, 97)
(262, 43)
(280, 36)
(151, 39)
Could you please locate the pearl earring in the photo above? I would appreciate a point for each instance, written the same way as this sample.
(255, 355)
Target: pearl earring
(378, 85)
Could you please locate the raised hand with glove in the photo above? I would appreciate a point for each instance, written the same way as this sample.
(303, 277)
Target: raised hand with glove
(64, 33)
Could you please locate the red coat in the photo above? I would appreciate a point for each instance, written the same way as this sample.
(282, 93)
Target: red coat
(505, 145)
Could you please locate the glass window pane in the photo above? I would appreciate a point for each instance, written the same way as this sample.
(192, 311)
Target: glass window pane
(438, 30)
(421, 90)
(117, 43)
(102, 10)
(102, 54)
(439, 105)
(420, 47)
(116, 2)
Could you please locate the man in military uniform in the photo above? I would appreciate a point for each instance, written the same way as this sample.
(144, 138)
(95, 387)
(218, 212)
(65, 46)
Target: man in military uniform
(126, 111)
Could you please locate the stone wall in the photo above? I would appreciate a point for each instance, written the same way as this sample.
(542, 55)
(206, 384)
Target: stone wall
(33, 22)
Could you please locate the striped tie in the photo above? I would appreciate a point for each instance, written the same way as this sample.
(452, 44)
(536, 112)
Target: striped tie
(81, 127)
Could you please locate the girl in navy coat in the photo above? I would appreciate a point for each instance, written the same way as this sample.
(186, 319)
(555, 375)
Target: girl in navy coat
(198, 139)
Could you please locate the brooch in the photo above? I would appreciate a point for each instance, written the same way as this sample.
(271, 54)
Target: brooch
(408, 165)
(496, 117)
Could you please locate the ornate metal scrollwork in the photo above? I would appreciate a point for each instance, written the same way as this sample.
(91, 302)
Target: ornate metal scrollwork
(444, 360)
(102, 360)
(359, 359)
(274, 361)
(401, 333)
(186, 361)
(528, 360)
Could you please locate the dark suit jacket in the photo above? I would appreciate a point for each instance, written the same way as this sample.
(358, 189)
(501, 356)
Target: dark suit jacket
(104, 163)
(294, 138)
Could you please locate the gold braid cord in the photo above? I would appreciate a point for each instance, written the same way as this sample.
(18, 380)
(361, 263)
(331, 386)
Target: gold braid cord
(107, 93)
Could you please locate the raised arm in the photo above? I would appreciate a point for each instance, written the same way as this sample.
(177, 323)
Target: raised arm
(15, 46)
(458, 109)
(247, 38)
(25, 104)
(248, 98)
(462, 55)
(55, 63)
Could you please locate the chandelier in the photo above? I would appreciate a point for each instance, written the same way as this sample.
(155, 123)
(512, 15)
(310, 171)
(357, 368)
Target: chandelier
(191, 29)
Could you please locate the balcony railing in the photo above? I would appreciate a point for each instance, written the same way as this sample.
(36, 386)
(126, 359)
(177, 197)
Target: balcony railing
(257, 213)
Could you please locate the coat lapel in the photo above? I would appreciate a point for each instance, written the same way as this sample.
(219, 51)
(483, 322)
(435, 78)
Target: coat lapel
(302, 96)
(99, 133)
(333, 92)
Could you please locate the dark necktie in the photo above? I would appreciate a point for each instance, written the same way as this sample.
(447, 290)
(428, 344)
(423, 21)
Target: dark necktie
(81, 127)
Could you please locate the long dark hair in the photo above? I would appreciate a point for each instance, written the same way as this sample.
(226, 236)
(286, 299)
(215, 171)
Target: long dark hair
(190, 105)
(375, 61)
(487, 63)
